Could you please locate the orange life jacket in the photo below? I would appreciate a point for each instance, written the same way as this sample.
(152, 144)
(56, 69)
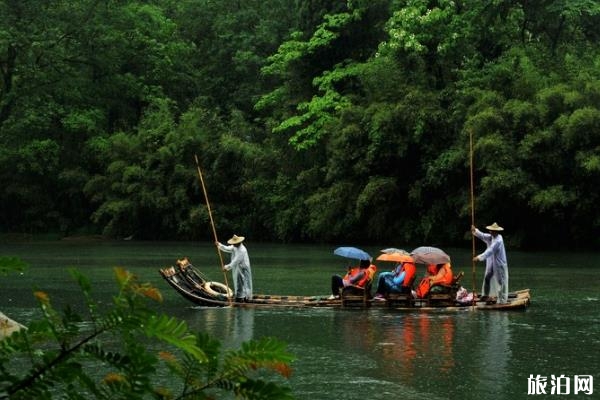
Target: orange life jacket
(423, 288)
(369, 273)
(410, 271)
(443, 276)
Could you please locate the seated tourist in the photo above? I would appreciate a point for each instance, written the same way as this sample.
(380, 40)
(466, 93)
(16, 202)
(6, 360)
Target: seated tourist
(357, 277)
(398, 281)
(437, 275)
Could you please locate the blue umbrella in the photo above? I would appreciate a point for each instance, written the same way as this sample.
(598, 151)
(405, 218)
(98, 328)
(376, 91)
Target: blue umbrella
(352, 252)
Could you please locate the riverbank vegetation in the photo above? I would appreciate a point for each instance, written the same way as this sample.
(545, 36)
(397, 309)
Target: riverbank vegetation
(126, 350)
(313, 120)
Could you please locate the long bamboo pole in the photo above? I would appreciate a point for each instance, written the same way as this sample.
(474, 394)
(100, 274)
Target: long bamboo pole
(212, 222)
(472, 209)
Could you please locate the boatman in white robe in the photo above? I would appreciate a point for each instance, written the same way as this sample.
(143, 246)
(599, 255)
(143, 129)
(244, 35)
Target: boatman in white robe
(496, 266)
(239, 267)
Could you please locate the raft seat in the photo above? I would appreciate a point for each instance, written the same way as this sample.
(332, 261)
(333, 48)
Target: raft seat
(400, 299)
(440, 299)
(356, 296)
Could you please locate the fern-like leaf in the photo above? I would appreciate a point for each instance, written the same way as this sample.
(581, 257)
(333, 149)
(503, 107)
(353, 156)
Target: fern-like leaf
(175, 332)
(268, 353)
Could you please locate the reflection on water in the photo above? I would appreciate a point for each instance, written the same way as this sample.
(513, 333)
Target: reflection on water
(494, 353)
(417, 350)
(404, 345)
(231, 325)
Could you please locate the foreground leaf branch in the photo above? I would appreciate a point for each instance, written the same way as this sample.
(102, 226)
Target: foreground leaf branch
(115, 354)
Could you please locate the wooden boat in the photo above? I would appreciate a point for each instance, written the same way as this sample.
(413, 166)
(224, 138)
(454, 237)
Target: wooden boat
(192, 285)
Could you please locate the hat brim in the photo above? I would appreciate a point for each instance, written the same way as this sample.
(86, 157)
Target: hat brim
(236, 240)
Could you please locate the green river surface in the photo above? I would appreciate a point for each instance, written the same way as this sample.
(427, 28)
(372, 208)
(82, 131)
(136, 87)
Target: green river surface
(360, 354)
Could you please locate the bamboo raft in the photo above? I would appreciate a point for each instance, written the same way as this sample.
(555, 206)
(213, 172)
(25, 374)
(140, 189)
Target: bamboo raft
(193, 286)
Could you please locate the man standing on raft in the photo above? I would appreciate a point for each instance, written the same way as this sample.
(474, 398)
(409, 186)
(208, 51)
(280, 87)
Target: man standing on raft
(240, 268)
(496, 266)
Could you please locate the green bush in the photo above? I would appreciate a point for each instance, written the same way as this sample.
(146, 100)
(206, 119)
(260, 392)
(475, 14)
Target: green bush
(112, 354)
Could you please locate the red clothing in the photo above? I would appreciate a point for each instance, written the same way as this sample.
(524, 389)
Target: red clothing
(432, 269)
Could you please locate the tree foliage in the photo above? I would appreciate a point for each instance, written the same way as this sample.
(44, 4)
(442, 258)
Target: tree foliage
(111, 353)
(313, 120)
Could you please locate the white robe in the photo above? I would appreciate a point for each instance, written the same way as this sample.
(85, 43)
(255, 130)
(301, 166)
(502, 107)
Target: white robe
(239, 266)
(495, 263)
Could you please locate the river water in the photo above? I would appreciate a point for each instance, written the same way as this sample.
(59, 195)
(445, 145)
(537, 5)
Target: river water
(552, 348)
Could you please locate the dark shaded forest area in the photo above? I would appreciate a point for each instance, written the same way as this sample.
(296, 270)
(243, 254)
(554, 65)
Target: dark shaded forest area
(314, 120)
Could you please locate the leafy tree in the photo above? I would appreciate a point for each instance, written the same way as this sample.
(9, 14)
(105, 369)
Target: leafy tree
(72, 71)
(232, 41)
(314, 120)
(392, 127)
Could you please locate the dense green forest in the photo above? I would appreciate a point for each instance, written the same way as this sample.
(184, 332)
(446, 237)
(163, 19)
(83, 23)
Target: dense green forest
(314, 120)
